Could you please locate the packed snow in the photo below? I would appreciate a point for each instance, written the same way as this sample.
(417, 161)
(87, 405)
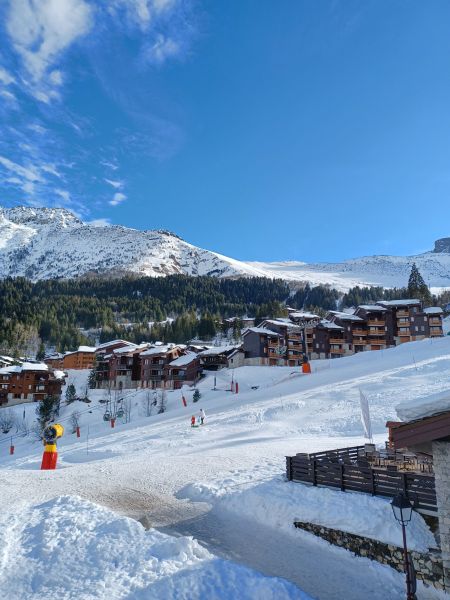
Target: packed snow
(69, 548)
(423, 406)
(223, 483)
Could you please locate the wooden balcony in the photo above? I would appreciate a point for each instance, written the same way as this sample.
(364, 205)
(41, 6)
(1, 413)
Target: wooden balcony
(376, 322)
(360, 332)
(402, 313)
(337, 341)
(435, 321)
(337, 351)
(403, 323)
(436, 333)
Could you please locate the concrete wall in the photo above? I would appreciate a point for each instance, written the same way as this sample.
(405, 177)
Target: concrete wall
(441, 464)
(428, 565)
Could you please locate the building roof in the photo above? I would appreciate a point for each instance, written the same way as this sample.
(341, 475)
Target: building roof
(345, 316)
(130, 348)
(219, 350)
(283, 323)
(433, 310)
(82, 349)
(301, 314)
(330, 325)
(428, 429)
(372, 308)
(400, 302)
(24, 367)
(184, 360)
(112, 342)
(161, 349)
(260, 330)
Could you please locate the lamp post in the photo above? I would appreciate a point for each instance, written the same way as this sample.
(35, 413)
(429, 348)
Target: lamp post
(402, 510)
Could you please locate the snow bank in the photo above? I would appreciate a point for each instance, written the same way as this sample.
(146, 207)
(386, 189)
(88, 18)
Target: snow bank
(69, 548)
(425, 406)
(277, 504)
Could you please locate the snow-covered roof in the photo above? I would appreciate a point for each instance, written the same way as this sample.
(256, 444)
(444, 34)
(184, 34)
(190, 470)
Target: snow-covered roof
(59, 374)
(303, 315)
(130, 348)
(283, 323)
(372, 307)
(24, 367)
(184, 360)
(425, 406)
(433, 310)
(8, 359)
(261, 330)
(345, 316)
(112, 342)
(83, 349)
(330, 325)
(161, 349)
(407, 302)
(219, 350)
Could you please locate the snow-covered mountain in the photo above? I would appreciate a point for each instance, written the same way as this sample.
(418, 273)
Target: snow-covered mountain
(42, 243)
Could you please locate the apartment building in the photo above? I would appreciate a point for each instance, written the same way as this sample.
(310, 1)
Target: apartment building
(124, 367)
(83, 358)
(184, 370)
(29, 382)
(153, 365)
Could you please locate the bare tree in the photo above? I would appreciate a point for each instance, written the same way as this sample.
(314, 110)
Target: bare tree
(147, 404)
(74, 420)
(7, 420)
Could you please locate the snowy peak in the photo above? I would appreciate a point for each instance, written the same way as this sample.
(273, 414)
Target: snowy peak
(442, 245)
(43, 243)
(26, 215)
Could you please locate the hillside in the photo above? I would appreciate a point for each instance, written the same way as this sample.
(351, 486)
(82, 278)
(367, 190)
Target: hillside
(43, 243)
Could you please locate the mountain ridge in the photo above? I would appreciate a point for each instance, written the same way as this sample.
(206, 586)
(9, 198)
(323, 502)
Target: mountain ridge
(45, 243)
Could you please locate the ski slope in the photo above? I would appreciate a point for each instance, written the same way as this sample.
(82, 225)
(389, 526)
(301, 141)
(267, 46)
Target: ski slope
(223, 483)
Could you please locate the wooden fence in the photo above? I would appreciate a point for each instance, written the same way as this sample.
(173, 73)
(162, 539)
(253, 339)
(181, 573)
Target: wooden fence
(348, 470)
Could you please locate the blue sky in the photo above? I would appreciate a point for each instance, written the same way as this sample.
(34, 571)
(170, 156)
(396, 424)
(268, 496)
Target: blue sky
(311, 130)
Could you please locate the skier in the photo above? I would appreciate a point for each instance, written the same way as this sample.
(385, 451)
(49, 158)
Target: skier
(202, 416)
(193, 421)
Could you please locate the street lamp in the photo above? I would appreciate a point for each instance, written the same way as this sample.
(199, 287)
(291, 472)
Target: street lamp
(402, 510)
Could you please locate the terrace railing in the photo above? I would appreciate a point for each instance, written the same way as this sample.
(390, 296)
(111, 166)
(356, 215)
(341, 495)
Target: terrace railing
(348, 469)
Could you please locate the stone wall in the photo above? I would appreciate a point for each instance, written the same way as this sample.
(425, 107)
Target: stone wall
(428, 565)
(441, 465)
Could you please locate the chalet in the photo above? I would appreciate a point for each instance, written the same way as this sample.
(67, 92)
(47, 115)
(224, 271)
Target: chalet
(29, 382)
(428, 434)
(222, 357)
(405, 320)
(153, 364)
(307, 321)
(183, 370)
(83, 358)
(434, 318)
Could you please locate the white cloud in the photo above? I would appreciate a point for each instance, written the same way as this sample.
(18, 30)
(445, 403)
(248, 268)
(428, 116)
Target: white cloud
(50, 168)
(99, 223)
(29, 173)
(64, 194)
(37, 128)
(5, 77)
(162, 49)
(8, 95)
(116, 184)
(142, 12)
(41, 31)
(117, 199)
(110, 165)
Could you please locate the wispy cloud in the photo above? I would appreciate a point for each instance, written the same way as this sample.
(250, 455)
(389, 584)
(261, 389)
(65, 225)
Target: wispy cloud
(5, 77)
(118, 198)
(99, 223)
(115, 184)
(41, 32)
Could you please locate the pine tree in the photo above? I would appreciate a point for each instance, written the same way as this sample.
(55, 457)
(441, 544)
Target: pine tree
(417, 288)
(196, 397)
(45, 411)
(71, 393)
(92, 379)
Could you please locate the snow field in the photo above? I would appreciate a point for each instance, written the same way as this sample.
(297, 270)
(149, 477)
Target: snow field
(223, 483)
